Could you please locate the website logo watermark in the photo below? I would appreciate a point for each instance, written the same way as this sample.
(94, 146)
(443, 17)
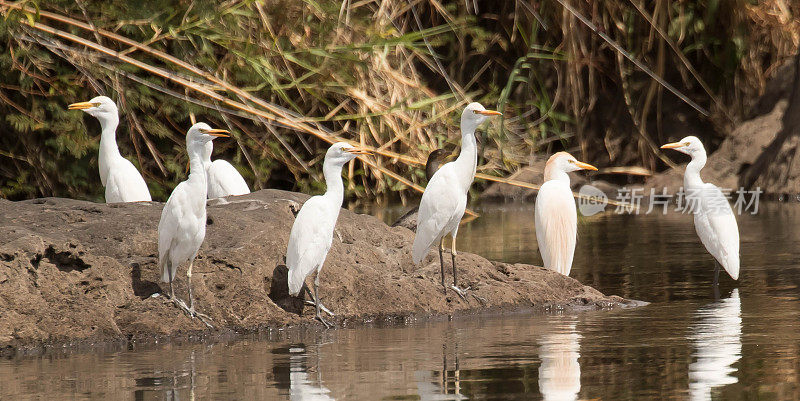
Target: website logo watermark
(710, 200)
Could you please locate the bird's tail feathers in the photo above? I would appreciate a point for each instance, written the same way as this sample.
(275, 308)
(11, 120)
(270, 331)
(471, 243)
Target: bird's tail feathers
(731, 265)
(296, 281)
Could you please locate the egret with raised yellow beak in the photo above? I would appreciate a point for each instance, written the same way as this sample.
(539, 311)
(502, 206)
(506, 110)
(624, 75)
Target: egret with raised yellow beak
(445, 198)
(555, 215)
(119, 176)
(713, 217)
(182, 228)
(312, 233)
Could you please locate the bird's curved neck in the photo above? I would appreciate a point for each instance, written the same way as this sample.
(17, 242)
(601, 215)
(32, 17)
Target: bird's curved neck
(334, 187)
(108, 137)
(467, 160)
(691, 178)
(197, 171)
(554, 173)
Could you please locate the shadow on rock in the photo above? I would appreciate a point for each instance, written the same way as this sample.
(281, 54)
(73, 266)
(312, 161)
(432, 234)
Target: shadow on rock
(142, 288)
(279, 291)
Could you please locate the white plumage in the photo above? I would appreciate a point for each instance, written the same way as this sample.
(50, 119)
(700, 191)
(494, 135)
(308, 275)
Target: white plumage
(119, 176)
(312, 232)
(182, 227)
(223, 178)
(445, 198)
(555, 216)
(714, 220)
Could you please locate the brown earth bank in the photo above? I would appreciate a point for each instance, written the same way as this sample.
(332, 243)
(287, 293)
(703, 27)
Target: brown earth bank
(75, 271)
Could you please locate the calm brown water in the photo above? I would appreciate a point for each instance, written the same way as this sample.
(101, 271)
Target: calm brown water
(685, 345)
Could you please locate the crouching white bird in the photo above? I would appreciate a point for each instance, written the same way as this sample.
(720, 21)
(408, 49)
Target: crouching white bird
(555, 215)
(713, 217)
(223, 178)
(445, 198)
(312, 232)
(182, 228)
(119, 176)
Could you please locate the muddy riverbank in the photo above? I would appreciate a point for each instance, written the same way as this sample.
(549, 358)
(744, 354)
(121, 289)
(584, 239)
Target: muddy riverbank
(80, 271)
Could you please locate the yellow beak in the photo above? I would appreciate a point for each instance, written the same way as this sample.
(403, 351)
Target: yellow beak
(358, 151)
(586, 166)
(217, 132)
(672, 145)
(489, 112)
(81, 106)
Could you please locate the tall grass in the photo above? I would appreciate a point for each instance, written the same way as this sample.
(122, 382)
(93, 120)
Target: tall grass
(289, 77)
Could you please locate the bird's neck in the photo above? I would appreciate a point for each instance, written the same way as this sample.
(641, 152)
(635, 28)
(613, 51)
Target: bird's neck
(467, 160)
(108, 137)
(197, 171)
(691, 178)
(334, 187)
(554, 173)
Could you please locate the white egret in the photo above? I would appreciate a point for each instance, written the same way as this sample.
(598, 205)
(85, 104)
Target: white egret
(445, 198)
(435, 160)
(119, 176)
(555, 216)
(223, 178)
(312, 232)
(182, 228)
(713, 217)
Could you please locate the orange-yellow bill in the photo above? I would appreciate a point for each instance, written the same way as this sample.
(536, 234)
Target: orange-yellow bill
(222, 133)
(489, 112)
(672, 145)
(81, 106)
(585, 166)
(358, 151)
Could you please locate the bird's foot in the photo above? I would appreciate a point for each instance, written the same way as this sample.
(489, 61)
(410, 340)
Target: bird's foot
(482, 300)
(322, 307)
(324, 323)
(462, 292)
(202, 316)
(191, 312)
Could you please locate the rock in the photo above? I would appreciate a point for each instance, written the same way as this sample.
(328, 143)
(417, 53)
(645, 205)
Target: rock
(79, 271)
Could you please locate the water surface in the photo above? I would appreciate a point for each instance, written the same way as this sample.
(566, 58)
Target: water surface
(690, 343)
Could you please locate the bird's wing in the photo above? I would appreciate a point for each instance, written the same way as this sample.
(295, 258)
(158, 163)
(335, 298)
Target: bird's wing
(439, 204)
(309, 241)
(125, 184)
(225, 180)
(556, 226)
(721, 233)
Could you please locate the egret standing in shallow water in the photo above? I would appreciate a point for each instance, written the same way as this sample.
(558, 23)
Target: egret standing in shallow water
(555, 215)
(713, 217)
(312, 232)
(182, 228)
(119, 176)
(223, 178)
(445, 198)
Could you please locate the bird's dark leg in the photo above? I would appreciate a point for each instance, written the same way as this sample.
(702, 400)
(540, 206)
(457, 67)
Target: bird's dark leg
(441, 263)
(461, 292)
(317, 303)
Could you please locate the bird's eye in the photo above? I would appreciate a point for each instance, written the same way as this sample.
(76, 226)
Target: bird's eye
(96, 104)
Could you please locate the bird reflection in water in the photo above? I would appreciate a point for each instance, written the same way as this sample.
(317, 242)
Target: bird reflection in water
(717, 340)
(560, 372)
(447, 386)
(295, 376)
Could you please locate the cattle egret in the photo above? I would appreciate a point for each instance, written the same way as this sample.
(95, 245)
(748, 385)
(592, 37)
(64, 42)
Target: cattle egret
(555, 216)
(223, 178)
(312, 232)
(713, 217)
(182, 228)
(445, 198)
(119, 176)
